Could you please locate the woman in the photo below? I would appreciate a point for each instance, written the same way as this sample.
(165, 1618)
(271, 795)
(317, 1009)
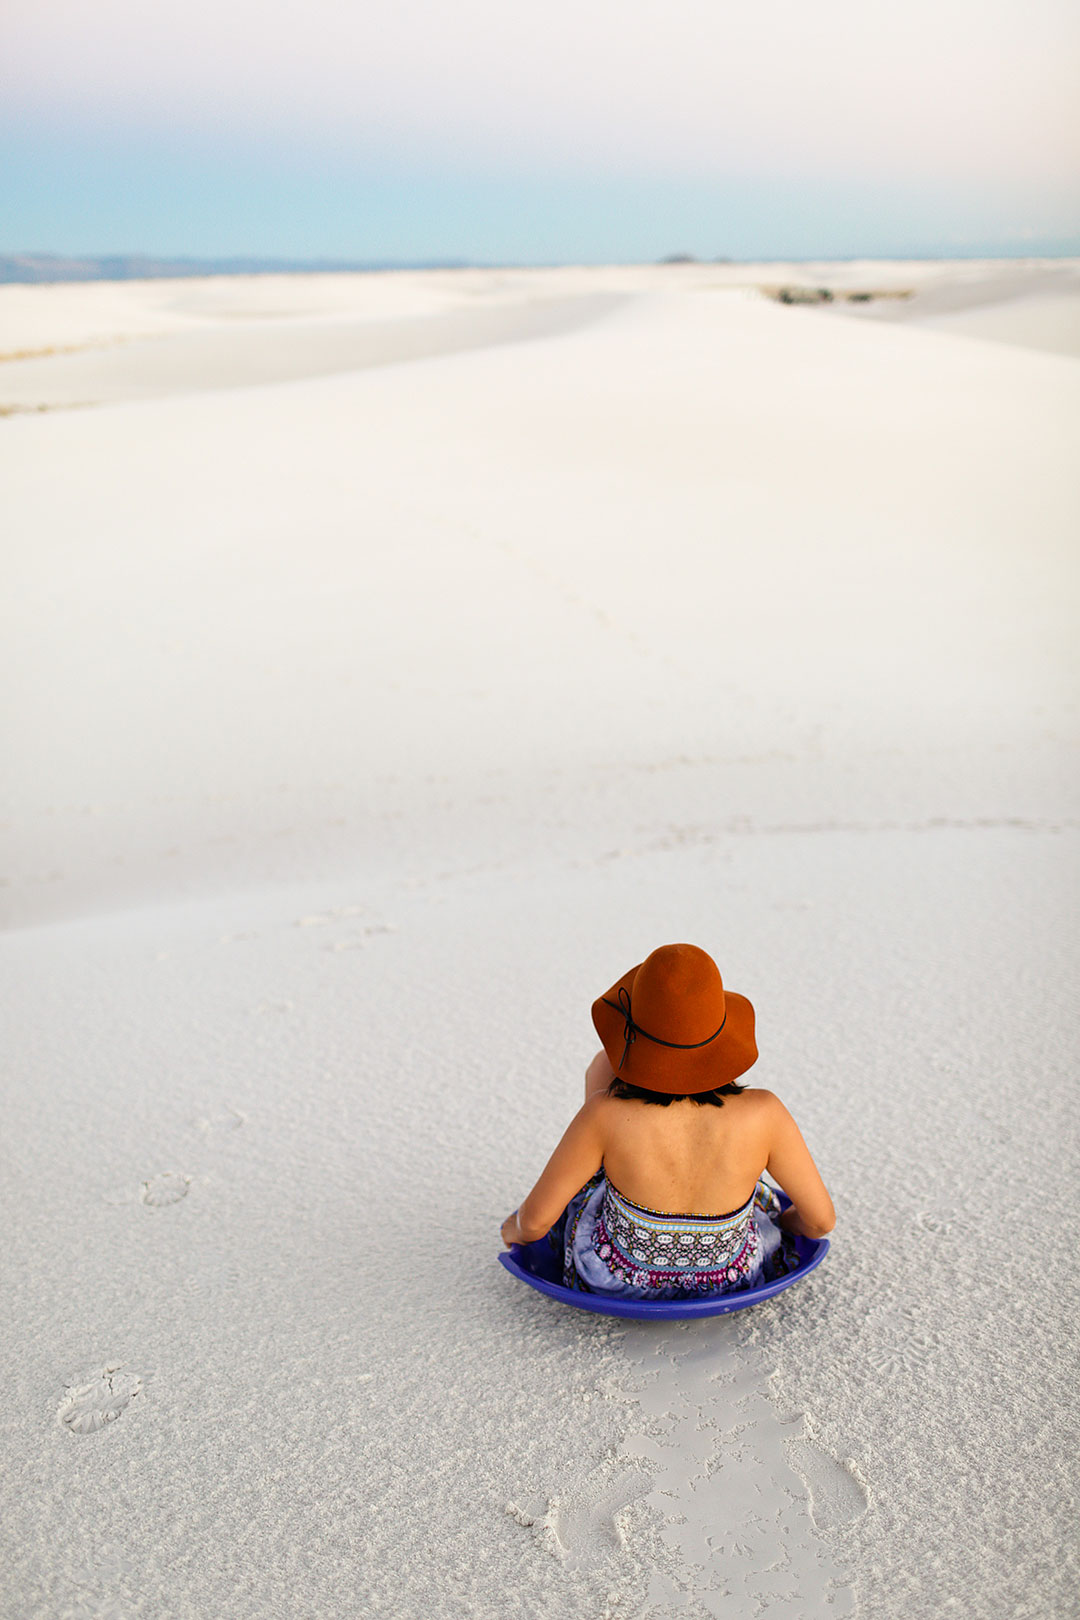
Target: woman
(655, 1190)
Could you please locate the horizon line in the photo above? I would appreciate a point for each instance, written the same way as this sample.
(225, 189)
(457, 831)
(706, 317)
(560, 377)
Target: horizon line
(29, 267)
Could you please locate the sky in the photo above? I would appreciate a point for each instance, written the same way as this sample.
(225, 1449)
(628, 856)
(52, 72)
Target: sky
(580, 131)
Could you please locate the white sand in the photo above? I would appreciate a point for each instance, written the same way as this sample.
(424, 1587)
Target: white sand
(95, 343)
(367, 725)
(1033, 305)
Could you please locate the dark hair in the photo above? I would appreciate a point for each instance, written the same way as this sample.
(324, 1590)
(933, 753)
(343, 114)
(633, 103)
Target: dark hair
(623, 1088)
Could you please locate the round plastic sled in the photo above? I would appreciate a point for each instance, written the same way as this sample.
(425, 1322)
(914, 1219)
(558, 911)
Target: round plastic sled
(540, 1266)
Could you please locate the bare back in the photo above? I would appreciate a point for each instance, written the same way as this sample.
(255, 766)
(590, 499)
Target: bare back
(686, 1158)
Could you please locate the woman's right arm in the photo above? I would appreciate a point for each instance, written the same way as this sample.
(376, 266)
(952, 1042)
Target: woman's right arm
(790, 1165)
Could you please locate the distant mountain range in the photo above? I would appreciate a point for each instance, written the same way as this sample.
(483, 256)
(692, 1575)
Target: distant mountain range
(142, 267)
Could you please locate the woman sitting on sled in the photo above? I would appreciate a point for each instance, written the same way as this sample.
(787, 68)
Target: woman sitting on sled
(655, 1190)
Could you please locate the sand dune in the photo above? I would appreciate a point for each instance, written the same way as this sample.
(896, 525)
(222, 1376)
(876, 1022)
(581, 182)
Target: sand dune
(100, 343)
(1034, 306)
(367, 725)
(244, 356)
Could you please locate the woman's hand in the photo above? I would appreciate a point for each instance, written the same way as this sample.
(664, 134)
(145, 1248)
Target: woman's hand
(792, 1220)
(510, 1231)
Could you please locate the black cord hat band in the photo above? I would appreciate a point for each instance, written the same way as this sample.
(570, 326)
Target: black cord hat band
(631, 1031)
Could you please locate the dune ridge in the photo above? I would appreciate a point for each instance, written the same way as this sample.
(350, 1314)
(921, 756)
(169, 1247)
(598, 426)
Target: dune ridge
(367, 725)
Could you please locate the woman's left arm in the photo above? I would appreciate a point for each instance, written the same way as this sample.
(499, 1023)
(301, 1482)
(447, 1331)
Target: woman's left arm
(578, 1156)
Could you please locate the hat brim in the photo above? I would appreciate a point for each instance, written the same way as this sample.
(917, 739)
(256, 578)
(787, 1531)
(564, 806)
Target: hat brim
(677, 1071)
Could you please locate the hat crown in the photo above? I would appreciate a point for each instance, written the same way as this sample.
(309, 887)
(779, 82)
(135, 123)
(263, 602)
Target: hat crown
(678, 995)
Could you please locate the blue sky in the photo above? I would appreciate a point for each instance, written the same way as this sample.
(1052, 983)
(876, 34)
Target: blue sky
(492, 132)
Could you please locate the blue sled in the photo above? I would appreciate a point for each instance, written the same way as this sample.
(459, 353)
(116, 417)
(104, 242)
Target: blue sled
(538, 1265)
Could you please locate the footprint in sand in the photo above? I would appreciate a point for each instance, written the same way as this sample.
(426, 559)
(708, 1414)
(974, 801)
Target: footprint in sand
(942, 1223)
(315, 918)
(590, 1515)
(837, 1493)
(94, 1584)
(167, 1188)
(358, 942)
(155, 1192)
(907, 1353)
(899, 1343)
(86, 1408)
(227, 1119)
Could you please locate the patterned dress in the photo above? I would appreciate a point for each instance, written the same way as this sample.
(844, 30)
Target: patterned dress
(613, 1246)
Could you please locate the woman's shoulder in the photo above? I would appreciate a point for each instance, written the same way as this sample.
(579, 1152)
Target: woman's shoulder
(759, 1099)
(601, 1107)
(596, 1111)
(759, 1107)
(767, 1117)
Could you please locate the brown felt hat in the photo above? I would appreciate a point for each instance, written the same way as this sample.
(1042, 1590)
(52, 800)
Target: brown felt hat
(669, 1025)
